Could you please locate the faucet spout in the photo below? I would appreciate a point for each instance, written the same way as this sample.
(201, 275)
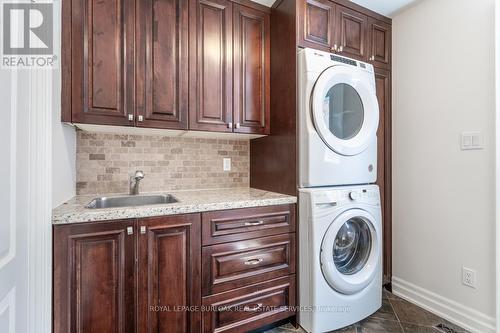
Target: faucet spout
(135, 181)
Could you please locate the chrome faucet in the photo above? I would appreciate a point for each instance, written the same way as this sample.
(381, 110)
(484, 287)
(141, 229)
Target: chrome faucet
(134, 182)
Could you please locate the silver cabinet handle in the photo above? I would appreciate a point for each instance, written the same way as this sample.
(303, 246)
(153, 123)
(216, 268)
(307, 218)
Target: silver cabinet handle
(237, 125)
(130, 230)
(140, 117)
(341, 49)
(254, 223)
(255, 261)
(143, 230)
(229, 125)
(372, 58)
(257, 307)
(334, 48)
(130, 117)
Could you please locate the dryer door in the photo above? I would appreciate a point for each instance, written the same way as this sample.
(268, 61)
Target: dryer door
(350, 252)
(345, 110)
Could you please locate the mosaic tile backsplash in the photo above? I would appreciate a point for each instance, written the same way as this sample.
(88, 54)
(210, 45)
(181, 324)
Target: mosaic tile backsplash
(105, 162)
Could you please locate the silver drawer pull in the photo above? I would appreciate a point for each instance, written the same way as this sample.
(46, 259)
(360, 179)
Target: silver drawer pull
(255, 261)
(130, 231)
(143, 230)
(254, 223)
(257, 307)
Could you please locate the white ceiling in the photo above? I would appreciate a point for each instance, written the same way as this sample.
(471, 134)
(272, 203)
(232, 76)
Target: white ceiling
(384, 7)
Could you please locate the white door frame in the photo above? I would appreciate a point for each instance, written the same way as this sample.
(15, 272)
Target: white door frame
(497, 160)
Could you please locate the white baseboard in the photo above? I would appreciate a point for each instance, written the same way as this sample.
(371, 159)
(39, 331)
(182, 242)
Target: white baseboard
(448, 309)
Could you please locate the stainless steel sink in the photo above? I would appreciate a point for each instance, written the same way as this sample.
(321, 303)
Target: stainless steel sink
(131, 200)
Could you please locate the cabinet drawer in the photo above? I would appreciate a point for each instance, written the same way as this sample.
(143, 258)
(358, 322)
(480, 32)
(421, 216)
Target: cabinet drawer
(233, 265)
(238, 224)
(251, 307)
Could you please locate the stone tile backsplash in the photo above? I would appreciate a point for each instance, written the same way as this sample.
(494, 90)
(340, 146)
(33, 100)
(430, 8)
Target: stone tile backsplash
(104, 163)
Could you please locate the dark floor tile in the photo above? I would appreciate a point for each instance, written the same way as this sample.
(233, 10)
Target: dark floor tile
(287, 328)
(385, 312)
(411, 328)
(348, 329)
(376, 325)
(412, 314)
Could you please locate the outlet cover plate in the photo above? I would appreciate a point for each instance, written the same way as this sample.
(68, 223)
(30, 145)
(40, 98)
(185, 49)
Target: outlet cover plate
(469, 277)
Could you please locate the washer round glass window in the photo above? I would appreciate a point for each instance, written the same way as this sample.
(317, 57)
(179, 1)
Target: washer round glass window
(352, 246)
(343, 111)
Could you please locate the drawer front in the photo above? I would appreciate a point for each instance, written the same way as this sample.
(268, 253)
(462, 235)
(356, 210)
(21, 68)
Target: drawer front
(232, 265)
(239, 224)
(251, 307)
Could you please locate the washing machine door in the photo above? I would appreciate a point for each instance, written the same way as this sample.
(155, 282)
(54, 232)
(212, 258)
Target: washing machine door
(350, 252)
(345, 109)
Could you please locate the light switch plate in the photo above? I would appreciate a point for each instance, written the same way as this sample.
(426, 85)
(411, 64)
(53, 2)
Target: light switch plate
(471, 141)
(226, 164)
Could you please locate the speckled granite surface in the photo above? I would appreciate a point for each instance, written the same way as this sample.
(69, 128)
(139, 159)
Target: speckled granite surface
(191, 201)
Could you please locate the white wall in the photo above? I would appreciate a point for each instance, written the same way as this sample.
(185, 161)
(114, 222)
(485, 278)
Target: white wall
(63, 136)
(444, 198)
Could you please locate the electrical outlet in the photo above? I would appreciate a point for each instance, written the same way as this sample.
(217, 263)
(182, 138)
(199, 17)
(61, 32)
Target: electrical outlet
(226, 164)
(469, 277)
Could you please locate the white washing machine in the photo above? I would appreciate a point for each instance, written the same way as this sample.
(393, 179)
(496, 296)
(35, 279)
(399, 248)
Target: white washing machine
(338, 120)
(340, 264)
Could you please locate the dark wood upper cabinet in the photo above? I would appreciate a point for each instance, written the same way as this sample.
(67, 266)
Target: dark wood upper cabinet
(211, 84)
(169, 252)
(102, 62)
(94, 279)
(162, 64)
(316, 26)
(352, 33)
(251, 53)
(380, 39)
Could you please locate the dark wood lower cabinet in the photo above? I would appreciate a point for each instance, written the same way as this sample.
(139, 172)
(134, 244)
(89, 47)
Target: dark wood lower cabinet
(145, 275)
(251, 307)
(94, 277)
(168, 272)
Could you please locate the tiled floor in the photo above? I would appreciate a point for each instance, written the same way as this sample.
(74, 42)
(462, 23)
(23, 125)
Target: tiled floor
(395, 316)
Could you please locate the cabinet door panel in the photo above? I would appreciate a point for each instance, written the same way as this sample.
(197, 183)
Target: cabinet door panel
(169, 274)
(162, 64)
(94, 278)
(251, 70)
(380, 44)
(352, 29)
(102, 61)
(316, 24)
(383, 82)
(211, 73)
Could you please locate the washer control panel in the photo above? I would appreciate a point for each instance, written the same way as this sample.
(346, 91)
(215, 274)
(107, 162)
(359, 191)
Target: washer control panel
(365, 195)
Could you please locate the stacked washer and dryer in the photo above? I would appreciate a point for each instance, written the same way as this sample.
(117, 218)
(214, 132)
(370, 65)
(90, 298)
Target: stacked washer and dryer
(340, 259)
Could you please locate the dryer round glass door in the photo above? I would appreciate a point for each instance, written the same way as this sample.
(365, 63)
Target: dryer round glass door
(350, 252)
(345, 110)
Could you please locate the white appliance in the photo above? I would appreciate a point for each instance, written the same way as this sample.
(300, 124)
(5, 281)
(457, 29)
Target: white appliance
(340, 262)
(338, 120)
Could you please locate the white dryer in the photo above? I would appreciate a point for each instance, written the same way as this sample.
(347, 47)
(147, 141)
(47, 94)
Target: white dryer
(340, 263)
(338, 120)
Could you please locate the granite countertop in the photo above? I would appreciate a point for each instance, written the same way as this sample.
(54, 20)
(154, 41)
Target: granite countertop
(192, 201)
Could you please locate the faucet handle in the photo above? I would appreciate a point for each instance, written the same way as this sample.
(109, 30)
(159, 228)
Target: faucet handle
(139, 174)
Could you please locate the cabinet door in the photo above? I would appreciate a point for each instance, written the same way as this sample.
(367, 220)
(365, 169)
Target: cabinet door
(102, 40)
(380, 44)
(162, 64)
(352, 30)
(211, 84)
(383, 82)
(316, 28)
(94, 277)
(169, 264)
(251, 70)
